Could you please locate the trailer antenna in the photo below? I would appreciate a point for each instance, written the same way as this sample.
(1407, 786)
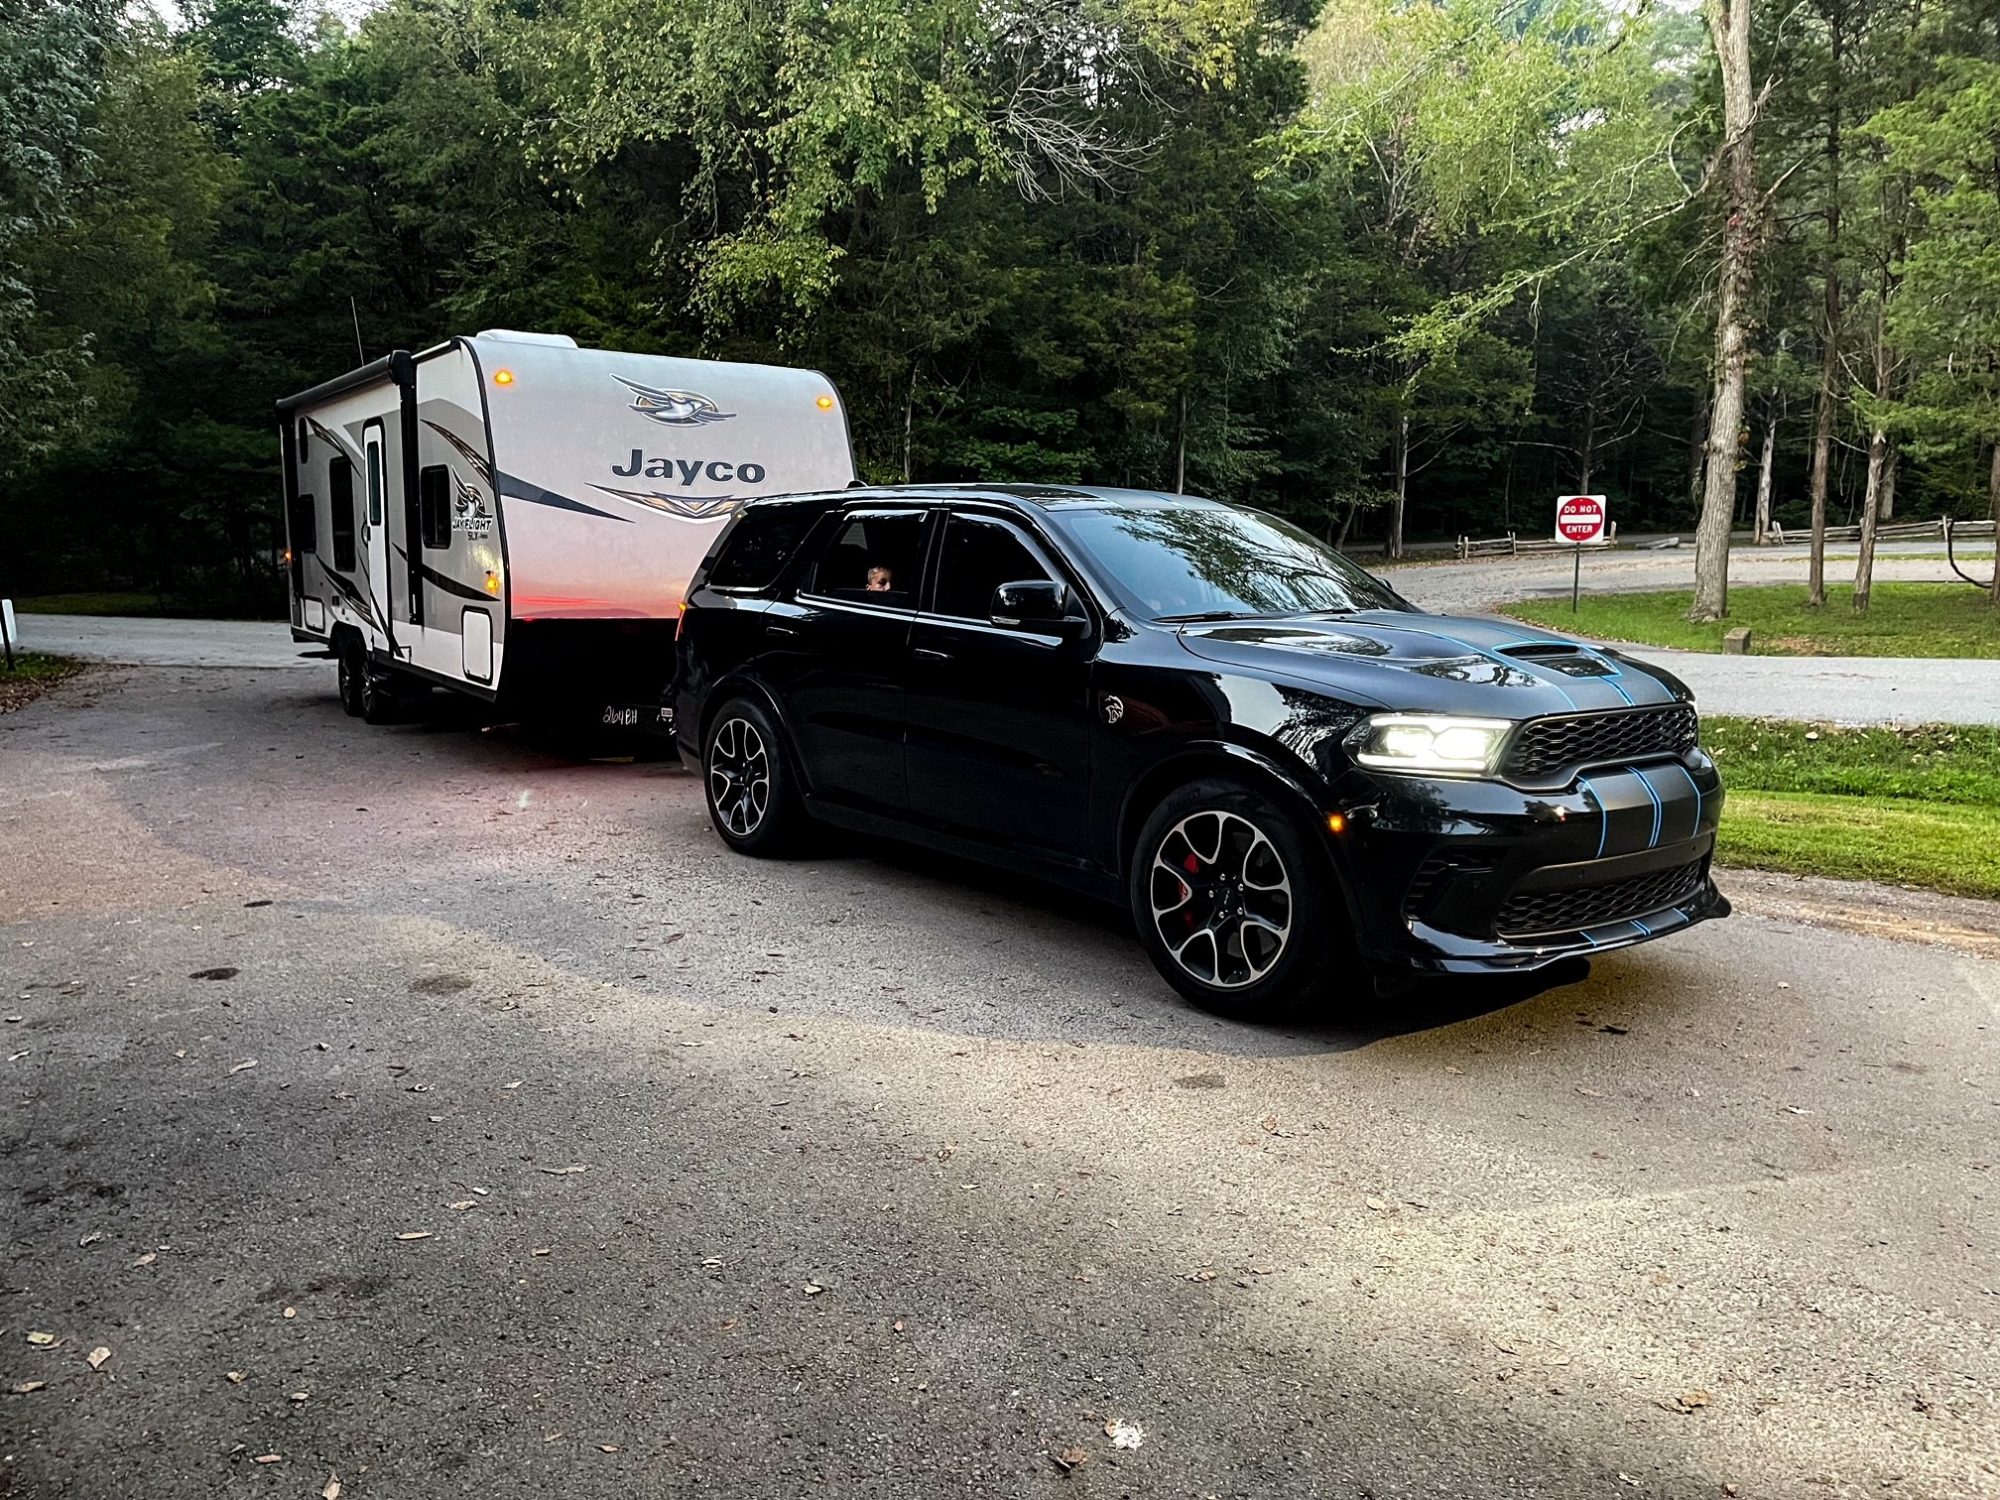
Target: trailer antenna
(355, 313)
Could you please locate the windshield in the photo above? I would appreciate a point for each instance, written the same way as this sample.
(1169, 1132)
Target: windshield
(1190, 562)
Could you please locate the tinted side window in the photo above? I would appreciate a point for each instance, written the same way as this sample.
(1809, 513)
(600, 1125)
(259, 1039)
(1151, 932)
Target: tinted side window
(759, 545)
(340, 486)
(873, 559)
(978, 557)
(434, 498)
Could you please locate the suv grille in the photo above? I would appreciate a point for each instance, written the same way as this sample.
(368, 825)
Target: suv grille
(1544, 746)
(1535, 913)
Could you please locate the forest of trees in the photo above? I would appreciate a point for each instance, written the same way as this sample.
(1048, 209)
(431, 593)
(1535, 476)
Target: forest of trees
(1394, 268)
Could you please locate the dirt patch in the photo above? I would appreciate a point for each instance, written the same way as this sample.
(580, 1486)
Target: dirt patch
(1887, 911)
(33, 675)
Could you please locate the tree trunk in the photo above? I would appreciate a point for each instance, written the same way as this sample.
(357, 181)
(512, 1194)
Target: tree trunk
(1829, 364)
(1180, 461)
(909, 422)
(1697, 445)
(1395, 548)
(1993, 509)
(1760, 528)
(1881, 493)
(1729, 20)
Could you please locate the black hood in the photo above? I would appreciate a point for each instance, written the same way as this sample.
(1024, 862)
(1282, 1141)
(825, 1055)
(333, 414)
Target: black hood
(1455, 664)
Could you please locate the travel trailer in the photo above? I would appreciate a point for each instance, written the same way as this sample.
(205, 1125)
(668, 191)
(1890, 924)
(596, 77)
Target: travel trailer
(516, 518)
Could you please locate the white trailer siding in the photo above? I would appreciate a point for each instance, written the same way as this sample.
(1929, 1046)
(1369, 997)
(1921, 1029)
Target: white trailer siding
(615, 470)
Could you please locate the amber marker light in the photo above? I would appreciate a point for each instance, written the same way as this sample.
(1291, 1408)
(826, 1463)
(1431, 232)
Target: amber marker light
(1336, 822)
(825, 403)
(493, 583)
(503, 377)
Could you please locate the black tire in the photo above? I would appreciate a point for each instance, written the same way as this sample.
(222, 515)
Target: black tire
(381, 702)
(1235, 906)
(753, 799)
(353, 673)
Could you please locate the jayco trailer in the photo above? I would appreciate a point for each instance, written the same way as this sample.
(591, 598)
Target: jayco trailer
(517, 518)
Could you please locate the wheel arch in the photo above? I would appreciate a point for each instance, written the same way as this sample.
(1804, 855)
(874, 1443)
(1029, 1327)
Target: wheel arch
(747, 685)
(1245, 765)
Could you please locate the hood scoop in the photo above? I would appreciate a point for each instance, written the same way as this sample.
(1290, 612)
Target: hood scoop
(1561, 656)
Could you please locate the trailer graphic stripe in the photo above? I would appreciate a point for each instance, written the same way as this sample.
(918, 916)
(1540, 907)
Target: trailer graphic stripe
(534, 494)
(451, 586)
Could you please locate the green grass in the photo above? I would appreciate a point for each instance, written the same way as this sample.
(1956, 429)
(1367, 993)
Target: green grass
(1916, 806)
(105, 603)
(1903, 619)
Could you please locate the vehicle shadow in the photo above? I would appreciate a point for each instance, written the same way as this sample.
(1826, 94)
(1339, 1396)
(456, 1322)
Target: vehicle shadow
(1375, 1016)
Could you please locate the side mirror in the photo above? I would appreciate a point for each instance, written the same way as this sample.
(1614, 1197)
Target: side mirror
(1045, 607)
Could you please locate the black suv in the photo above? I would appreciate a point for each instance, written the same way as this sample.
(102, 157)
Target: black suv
(1199, 710)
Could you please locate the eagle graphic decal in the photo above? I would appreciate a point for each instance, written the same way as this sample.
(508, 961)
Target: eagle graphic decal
(673, 408)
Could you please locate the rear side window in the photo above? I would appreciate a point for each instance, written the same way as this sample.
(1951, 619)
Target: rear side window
(980, 555)
(434, 500)
(873, 559)
(759, 545)
(340, 487)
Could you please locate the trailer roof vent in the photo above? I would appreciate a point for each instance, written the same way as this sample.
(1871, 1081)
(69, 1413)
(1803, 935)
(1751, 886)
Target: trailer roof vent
(516, 336)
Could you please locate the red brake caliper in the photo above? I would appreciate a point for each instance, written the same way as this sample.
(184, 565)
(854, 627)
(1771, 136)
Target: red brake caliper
(1193, 867)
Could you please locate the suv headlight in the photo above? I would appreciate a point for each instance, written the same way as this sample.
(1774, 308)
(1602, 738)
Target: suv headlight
(1428, 742)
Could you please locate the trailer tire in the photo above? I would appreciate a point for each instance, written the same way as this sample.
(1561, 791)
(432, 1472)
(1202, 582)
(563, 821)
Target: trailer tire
(380, 702)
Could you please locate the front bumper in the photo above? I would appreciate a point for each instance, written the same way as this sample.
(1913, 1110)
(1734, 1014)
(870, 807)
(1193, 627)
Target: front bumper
(1450, 876)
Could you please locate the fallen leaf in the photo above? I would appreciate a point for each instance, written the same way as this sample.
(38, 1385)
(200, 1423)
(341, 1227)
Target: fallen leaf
(145, 1260)
(331, 1490)
(898, 1325)
(1377, 1204)
(268, 1458)
(1124, 1434)
(244, 1066)
(237, 1377)
(462, 1204)
(563, 1171)
(1201, 1273)
(1070, 1458)
(299, 1396)
(291, 1312)
(415, 1234)
(552, 1437)
(607, 1447)
(28, 1387)
(514, 1085)
(41, 1340)
(224, 972)
(813, 1288)
(1588, 1093)
(543, 1250)
(97, 1357)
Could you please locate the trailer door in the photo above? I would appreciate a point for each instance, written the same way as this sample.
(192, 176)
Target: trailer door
(376, 525)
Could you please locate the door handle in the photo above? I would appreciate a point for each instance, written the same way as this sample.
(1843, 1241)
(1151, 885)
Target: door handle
(784, 632)
(929, 653)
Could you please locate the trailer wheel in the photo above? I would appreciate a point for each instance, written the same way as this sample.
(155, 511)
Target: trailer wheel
(379, 699)
(353, 673)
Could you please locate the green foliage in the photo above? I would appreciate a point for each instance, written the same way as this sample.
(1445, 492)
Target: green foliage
(1438, 260)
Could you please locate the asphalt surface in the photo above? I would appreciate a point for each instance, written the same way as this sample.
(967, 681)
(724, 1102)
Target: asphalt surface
(871, 1174)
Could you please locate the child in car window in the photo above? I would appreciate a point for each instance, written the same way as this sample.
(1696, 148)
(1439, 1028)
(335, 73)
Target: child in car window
(880, 581)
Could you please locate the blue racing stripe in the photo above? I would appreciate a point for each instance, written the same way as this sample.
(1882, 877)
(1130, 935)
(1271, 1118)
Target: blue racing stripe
(1659, 809)
(1603, 813)
(1697, 797)
(1492, 655)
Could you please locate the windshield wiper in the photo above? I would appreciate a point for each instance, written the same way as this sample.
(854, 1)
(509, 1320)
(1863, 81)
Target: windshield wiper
(1208, 617)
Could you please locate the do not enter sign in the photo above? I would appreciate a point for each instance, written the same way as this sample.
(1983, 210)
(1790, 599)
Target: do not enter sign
(1580, 518)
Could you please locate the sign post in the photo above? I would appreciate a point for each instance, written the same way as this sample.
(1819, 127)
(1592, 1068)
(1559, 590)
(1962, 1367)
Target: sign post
(1580, 519)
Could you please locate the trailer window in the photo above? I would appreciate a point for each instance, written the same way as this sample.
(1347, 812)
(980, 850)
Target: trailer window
(340, 485)
(305, 526)
(757, 547)
(434, 496)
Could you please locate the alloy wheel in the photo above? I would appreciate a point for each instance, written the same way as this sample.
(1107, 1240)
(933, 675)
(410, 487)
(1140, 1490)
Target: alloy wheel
(739, 776)
(1221, 899)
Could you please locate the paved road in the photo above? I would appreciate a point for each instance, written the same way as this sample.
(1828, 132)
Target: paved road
(878, 1176)
(1849, 689)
